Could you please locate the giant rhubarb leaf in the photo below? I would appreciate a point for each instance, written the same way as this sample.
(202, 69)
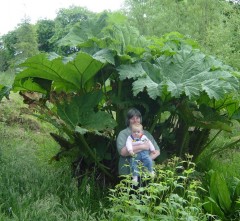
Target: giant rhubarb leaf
(69, 74)
(79, 113)
(188, 72)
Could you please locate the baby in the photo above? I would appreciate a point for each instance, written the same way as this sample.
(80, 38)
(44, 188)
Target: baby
(136, 138)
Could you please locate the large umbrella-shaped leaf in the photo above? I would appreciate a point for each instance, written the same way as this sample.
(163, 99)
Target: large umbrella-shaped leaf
(188, 72)
(66, 74)
(103, 33)
(79, 113)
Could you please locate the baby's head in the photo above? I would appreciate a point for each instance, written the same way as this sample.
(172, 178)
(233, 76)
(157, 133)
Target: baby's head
(137, 130)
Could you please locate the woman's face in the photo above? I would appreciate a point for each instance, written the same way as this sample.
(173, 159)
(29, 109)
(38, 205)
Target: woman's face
(134, 120)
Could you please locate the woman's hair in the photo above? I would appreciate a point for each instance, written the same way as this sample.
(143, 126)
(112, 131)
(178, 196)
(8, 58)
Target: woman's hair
(131, 113)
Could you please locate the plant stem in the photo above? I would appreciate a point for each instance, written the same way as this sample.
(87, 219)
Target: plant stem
(92, 154)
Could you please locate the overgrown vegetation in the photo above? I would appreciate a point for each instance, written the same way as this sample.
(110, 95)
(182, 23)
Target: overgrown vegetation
(173, 194)
(30, 187)
(85, 94)
(189, 100)
(221, 159)
(213, 24)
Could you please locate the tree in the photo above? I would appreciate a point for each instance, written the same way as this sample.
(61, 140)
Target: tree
(26, 45)
(4, 58)
(222, 38)
(65, 20)
(8, 48)
(15, 47)
(19, 44)
(45, 31)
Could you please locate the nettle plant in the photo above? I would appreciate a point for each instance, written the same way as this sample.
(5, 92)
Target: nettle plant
(173, 194)
(182, 93)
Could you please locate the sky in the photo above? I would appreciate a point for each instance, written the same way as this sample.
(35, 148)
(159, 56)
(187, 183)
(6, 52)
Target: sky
(12, 12)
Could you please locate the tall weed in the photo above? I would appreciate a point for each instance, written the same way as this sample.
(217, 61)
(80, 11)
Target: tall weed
(171, 195)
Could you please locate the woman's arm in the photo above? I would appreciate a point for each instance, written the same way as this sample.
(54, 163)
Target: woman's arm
(145, 146)
(155, 154)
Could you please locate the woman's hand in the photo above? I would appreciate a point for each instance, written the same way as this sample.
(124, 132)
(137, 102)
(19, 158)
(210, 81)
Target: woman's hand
(154, 154)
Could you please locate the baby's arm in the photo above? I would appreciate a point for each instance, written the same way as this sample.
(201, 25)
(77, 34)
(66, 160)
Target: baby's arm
(129, 146)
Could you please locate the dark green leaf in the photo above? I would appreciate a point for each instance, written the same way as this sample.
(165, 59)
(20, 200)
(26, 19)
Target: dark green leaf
(79, 114)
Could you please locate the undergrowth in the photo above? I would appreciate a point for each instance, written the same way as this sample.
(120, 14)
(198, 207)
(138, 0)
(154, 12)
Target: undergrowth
(30, 187)
(223, 154)
(173, 194)
(33, 189)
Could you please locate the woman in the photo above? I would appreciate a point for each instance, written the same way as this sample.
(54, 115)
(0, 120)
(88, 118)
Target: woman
(133, 116)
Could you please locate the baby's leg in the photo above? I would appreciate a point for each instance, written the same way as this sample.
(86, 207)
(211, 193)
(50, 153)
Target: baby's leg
(134, 167)
(148, 163)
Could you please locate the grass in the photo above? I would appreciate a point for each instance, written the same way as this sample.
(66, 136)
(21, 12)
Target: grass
(221, 159)
(30, 187)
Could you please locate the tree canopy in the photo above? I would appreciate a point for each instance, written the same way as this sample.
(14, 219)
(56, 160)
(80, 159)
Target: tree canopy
(214, 24)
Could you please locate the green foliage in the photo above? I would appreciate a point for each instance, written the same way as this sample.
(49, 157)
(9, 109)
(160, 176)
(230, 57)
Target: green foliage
(66, 74)
(6, 81)
(191, 86)
(79, 112)
(26, 45)
(103, 32)
(80, 34)
(8, 42)
(188, 72)
(223, 196)
(4, 59)
(20, 43)
(123, 69)
(4, 92)
(33, 190)
(8, 50)
(78, 116)
(222, 180)
(214, 24)
(64, 21)
(45, 30)
(173, 194)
